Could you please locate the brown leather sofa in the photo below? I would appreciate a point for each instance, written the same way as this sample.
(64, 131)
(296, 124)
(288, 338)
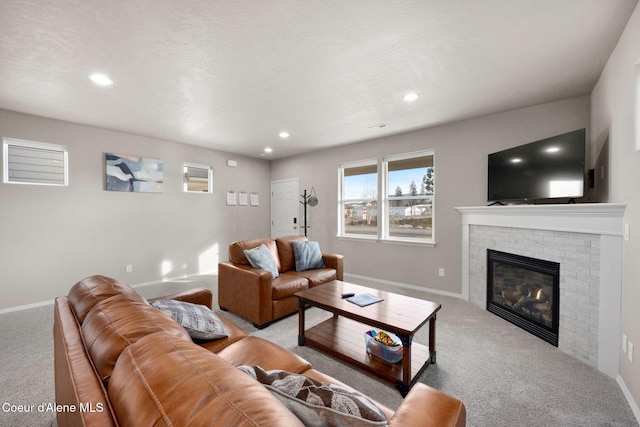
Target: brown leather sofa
(121, 362)
(253, 293)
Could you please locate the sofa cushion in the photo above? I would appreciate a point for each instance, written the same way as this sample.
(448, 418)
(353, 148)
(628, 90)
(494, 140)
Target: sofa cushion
(260, 257)
(236, 250)
(163, 380)
(317, 403)
(200, 322)
(258, 351)
(288, 284)
(285, 251)
(317, 276)
(308, 255)
(235, 332)
(115, 323)
(89, 291)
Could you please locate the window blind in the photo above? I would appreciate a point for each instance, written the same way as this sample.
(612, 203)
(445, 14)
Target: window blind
(34, 163)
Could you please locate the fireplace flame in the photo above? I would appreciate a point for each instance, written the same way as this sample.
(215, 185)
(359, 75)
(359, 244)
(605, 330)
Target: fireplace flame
(536, 293)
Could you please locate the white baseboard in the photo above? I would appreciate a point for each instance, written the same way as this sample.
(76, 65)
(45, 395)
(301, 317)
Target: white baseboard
(404, 285)
(184, 277)
(137, 285)
(25, 306)
(629, 397)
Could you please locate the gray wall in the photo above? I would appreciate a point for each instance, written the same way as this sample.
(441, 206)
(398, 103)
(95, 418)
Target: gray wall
(616, 115)
(51, 237)
(461, 150)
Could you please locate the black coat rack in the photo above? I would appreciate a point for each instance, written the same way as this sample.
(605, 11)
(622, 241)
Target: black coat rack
(310, 200)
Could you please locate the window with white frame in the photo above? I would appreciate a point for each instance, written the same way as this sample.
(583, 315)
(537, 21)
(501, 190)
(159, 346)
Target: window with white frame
(409, 195)
(404, 212)
(30, 162)
(359, 199)
(197, 178)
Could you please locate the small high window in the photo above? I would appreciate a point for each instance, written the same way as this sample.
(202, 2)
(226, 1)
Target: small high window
(197, 178)
(39, 163)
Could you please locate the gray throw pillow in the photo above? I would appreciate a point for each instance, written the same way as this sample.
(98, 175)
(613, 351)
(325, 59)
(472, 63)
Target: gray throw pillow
(200, 322)
(316, 403)
(260, 257)
(307, 254)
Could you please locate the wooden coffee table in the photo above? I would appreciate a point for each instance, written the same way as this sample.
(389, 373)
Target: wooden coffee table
(342, 335)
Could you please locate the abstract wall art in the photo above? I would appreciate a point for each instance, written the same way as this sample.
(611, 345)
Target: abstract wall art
(134, 173)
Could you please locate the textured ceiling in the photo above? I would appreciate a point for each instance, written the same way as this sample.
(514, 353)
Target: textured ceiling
(230, 75)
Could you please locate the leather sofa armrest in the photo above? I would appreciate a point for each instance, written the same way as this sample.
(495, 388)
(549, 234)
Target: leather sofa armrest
(426, 406)
(336, 262)
(202, 296)
(246, 291)
(76, 382)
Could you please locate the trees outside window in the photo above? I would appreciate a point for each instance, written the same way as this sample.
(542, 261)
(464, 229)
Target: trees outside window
(409, 211)
(404, 213)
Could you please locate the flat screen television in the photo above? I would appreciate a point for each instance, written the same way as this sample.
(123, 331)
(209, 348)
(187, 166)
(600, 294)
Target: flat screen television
(551, 168)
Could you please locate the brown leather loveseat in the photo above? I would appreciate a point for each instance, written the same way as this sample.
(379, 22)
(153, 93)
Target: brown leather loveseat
(255, 295)
(121, 362)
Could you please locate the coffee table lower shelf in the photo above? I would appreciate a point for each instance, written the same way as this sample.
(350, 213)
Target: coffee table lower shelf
(344, 339)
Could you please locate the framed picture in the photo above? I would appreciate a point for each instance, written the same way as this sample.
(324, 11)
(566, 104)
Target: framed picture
(243, 198)
(232, 198)
(134, 173)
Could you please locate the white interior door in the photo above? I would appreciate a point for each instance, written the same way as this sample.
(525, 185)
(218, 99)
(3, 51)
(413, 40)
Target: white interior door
(285, 205)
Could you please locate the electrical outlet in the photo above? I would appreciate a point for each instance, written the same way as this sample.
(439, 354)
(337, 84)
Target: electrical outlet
(624, 343)
(630, 352)
(128, 268)
(441, 272)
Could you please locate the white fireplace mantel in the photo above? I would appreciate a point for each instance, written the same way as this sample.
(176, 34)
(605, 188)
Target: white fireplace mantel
(591, 218)
(601, 219)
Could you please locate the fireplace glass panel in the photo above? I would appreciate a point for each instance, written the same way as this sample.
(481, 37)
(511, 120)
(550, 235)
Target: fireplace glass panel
(524, 291)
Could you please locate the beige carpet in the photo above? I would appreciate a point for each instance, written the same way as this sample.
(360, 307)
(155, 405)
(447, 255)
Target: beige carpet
(505, 376)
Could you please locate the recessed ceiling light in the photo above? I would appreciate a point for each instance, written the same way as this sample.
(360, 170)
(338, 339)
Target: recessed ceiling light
(284, 135)
(101, 79)
(410, 97)
(268, 150)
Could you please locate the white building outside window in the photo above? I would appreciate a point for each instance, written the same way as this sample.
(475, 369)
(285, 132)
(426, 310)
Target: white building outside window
(358, 199)
(404, 212)
(409, 189)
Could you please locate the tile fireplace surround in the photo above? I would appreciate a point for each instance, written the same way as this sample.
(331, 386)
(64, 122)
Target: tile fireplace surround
(586, 239)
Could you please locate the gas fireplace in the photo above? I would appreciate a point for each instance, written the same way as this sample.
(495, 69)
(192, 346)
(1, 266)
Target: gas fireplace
(526, 292)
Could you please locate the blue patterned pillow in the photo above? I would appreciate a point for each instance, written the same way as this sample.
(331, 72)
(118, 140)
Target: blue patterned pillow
(198, 320)
(260, 257)
(307, 254)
